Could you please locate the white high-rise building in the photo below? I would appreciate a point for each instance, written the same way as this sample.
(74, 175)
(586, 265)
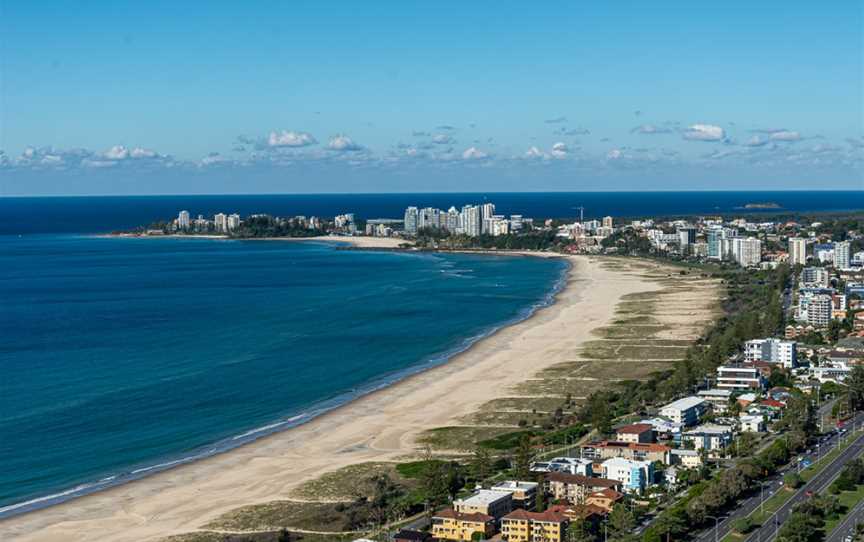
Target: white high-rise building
(747, 251)
(452, 220)
(220, 222)
(183, 220)
(797, 251)
(842, 255)
(487, 211)
(607, 221)
(472, 220)
(411, 219)
(233, 222)
(814, 277)
(772, 351)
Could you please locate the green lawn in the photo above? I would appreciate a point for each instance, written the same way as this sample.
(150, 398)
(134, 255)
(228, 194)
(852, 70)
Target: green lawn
(848, 500)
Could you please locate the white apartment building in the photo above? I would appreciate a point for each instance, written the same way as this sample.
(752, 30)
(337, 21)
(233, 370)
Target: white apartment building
(634, 476)
(685, 411)
(747, 251)
(814, 277)
(815, 308)
(797, 251)
(777, 351)
(220, 222)
(709, 436)
(739, 377)
(183, 220)
(233, 222)
(842, 255)
(717, 398)
(412, 214)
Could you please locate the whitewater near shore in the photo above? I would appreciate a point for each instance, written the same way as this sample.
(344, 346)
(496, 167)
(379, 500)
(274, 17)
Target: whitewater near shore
(382, 426)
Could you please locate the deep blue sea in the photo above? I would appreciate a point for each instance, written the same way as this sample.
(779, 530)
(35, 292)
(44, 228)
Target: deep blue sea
(121, 357)
(77, 215)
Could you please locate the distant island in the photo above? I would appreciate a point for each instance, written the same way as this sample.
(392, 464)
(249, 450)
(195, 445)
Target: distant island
(763, 205)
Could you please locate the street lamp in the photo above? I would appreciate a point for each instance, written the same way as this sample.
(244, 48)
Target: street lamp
(716, 525)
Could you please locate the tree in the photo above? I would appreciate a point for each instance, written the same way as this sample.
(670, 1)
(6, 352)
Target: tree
(522, 458)
(793, 480)
(385, 494)
(481, 463)
(621, 520)
(578, 532)
(797, 528)
(855, 382)
(743, 525)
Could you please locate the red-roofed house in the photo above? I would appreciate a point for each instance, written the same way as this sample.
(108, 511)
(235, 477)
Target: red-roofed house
(637, 432)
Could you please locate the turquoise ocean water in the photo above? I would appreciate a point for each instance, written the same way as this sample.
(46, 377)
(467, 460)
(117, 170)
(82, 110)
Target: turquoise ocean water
(121, 357)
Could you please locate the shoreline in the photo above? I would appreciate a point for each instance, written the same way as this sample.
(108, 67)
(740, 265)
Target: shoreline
(308, 414)
(355, 241)
(379, 426)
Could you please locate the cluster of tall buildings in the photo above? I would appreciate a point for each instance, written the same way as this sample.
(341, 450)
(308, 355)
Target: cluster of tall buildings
(220, 223)
(724, 244)
(838, 253)
(471, 220)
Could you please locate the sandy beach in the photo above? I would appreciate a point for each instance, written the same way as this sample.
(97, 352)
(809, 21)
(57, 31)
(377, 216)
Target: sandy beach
(378, 427)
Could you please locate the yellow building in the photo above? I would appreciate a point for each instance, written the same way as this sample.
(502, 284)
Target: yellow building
(448, 524)
(523, 526)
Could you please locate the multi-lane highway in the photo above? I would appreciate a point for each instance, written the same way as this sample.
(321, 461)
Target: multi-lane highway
(774, 483)
(817, 484)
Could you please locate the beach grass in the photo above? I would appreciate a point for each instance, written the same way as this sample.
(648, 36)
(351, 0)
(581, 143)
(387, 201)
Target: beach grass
(347, 483)
(276, 515)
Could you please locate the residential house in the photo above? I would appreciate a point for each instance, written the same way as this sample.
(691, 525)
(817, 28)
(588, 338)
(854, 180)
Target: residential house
(574, 488)
(712, 437)
(717, 398)
(689, 459)
(637, 432)
(604, 498)
(607, 449)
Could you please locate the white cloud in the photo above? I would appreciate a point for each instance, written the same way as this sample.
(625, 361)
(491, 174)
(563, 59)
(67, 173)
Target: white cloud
(785, 135)
(139, 152)
(343, 143)
(287, 138)
(534, 152)
(97, 164)
(615, 154)
(442, 139)
(704, 132)
(650, 129)
(560, 150)
(473, 153)
(117, 152)
(756, 141)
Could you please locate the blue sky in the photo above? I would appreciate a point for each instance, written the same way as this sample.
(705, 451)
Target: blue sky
(225, 97)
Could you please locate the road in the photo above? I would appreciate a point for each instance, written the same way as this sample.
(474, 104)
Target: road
(816, 485)
(847, 526)
(773, 484)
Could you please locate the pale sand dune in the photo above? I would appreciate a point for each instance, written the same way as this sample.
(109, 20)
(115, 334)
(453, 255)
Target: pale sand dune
(380, 426)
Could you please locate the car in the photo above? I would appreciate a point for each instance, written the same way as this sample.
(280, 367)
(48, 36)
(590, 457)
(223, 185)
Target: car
(808, 493)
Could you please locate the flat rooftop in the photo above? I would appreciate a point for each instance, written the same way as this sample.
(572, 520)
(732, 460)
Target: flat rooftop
(483, 497)
(684, 403)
